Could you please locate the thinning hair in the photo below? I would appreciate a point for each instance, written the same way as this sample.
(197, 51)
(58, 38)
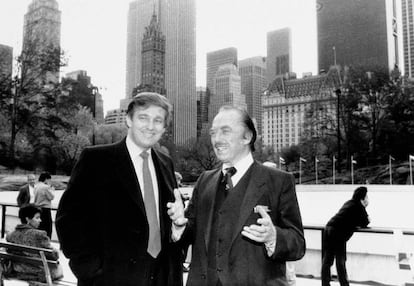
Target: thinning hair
(146, 99)
(246, 120)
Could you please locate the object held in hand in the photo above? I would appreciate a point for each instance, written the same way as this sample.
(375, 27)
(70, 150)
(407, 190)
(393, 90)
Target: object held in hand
(265, 208)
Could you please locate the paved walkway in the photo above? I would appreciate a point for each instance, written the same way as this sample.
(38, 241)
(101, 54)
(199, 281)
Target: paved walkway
(68, 276)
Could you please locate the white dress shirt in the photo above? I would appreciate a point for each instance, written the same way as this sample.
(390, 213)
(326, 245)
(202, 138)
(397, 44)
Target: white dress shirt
(135, 154)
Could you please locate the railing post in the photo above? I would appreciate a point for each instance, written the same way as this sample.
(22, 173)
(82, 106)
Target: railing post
(322, 244)
(3, 220)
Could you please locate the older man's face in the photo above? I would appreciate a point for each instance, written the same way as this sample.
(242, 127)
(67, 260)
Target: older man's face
(31, 180)
(228, 137)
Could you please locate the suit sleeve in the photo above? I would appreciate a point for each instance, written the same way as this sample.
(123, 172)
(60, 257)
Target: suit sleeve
(22, 196)
(76, 220)
(290, 241)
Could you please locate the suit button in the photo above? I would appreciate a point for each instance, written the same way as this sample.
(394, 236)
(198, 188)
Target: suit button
(219, 254)
(203, 276)
(132, 261)
(219, 269)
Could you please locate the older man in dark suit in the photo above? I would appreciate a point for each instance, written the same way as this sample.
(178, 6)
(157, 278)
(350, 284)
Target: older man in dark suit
(26, 193)
(112, 220)
(243, 218)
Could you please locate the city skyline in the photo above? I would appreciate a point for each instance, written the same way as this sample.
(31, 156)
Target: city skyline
(97, 43)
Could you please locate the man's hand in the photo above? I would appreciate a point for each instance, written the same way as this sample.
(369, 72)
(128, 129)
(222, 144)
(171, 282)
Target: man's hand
(176, 210)
(264, 231)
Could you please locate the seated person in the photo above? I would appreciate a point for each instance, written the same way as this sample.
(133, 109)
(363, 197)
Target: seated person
(27, 233)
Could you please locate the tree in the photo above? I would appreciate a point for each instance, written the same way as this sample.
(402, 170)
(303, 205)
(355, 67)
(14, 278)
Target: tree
(34, 93)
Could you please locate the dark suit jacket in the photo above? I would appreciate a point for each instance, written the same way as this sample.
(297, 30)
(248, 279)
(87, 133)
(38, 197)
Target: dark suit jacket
(24, 195)
(246, 262)
(351, 215)
(101, 221)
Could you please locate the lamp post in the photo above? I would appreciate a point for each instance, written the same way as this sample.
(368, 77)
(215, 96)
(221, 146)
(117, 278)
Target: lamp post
(94, 91)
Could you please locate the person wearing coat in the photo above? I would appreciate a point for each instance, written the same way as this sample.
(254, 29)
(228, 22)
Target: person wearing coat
(26, 193)
(27, 233)
(112, 220)
(44, 194)
(338, 231)
(243, 219)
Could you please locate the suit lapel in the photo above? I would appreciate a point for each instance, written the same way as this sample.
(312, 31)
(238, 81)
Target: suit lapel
(127, 176)
(208, 203)
(165, 189)
(254, 192)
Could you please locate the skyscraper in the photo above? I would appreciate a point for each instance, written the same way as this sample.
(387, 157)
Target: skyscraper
(177, 21)
(153, 57)
(253, 82)
(6, 63)
(139, 16)
(178, 25)
(408, 36)
(355, 32)
(41, 32)
(227, 90)
(279, 53)
(216, 59)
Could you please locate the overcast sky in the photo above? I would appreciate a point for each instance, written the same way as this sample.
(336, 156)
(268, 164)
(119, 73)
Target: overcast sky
(93, 34)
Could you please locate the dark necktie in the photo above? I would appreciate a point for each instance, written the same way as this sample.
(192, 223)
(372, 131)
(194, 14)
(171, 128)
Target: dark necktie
(229, 172)
(154, 241)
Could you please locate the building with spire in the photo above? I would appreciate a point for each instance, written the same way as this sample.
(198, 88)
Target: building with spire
(177, 22)
(153, 57)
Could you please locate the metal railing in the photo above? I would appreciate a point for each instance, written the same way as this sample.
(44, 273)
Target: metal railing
(3, 216)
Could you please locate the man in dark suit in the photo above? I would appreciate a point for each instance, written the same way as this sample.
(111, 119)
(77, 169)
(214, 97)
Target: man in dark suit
(26, 193)
(112, 220)
(338, 231)
(243, 219)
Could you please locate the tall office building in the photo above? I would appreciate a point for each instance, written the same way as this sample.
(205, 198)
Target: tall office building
(227, 90)
(6, 63)
(279, 53)
(253, 83)
(355, 32)
(177, 21)
(408, 36)
(41, 31)
(153, 57)
(202, 109)
(216, 59)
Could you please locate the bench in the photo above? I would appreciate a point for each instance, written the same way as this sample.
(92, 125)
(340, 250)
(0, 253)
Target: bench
(11, 252)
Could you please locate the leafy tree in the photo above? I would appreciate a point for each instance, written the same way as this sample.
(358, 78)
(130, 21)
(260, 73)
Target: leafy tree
(35, 91)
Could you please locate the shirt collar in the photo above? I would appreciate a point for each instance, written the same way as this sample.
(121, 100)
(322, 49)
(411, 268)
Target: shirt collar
(133, 149)
(242, 165)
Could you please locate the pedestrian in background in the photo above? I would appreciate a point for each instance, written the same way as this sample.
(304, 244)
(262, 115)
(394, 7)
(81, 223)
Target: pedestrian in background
(27, 233)
(44, 194)
(26, 193)
(338, 231)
